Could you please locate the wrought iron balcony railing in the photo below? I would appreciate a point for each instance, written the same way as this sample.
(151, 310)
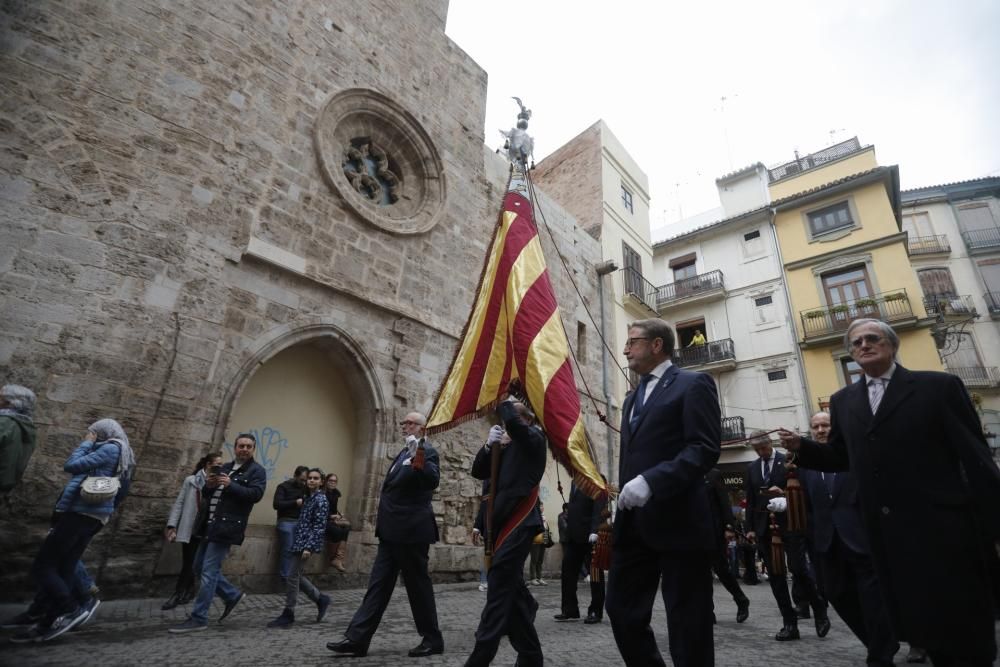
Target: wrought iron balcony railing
(709, 353)
(977, 376)
(978, 239)
(887, 306)
(926, 245)
(733, 429)
(950, 306)
(634, 285)
(688, 287)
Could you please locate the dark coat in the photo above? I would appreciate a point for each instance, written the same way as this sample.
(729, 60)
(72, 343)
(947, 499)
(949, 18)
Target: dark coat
(677, 439)
(718, 500)
(245, 489)
(522, 464)
(840, 512)
(405, 515)
(583, 516)
(928, 491)
(757, 514)
(285, 497)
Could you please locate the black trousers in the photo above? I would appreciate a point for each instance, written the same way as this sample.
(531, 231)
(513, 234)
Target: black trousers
(391, 560)
(724, 572)
(852, 588)
(574, 557)
(795, 556)
(185, 580)
(685, 580)
(510, 608)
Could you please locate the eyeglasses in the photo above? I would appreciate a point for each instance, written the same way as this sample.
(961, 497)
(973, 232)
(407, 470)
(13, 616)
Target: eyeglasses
(871, 339)
(631, 341)
(409, 422)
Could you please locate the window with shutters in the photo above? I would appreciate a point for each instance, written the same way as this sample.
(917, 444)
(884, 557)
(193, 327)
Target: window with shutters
(936, 282)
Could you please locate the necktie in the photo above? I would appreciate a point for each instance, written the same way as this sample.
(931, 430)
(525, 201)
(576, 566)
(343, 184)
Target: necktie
(829, 478)
(767, 470)
(875, 391)
(640, 398)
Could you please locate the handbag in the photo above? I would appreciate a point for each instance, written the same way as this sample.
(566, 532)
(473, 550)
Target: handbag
(97, 490)
(547, 538)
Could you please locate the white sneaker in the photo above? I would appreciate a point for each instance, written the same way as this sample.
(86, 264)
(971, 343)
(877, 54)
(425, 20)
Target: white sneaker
(483, 587)
(541, 582)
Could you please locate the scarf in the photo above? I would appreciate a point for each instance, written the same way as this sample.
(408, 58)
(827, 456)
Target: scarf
(108, 430)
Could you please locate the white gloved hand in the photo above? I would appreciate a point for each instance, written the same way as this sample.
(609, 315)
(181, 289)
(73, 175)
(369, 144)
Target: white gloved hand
(635, 494)
(777, 505)
(593, 538)
(496, 432)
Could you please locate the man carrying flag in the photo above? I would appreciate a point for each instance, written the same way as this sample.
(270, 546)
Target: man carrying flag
(510, 608)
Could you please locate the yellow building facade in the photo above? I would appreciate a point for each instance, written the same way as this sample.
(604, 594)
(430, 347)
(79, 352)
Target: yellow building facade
(844, 254)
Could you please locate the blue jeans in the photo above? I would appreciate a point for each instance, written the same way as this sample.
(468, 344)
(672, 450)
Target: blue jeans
(80, 590)
(208, 565)
(286, 533)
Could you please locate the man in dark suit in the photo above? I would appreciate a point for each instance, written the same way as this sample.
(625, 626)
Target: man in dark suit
(722, 521)
(510, 608)
(844, 558)
(406, 528)
(766, 480)
(670, 437)
(928, 490)
(583, 519)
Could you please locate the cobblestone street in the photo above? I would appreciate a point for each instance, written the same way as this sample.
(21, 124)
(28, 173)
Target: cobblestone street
(130, 632)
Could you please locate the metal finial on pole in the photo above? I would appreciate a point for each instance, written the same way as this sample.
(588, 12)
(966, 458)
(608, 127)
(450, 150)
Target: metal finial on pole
(520, 146)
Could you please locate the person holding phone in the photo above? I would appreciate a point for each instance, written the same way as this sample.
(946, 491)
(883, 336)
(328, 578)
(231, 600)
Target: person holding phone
(229, 495)
(180, 525)
(307, 539)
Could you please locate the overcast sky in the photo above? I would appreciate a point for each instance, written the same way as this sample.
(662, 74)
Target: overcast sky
(918, 79)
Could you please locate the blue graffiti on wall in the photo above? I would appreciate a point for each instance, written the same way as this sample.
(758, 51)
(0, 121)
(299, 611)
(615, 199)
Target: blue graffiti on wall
(270, 444)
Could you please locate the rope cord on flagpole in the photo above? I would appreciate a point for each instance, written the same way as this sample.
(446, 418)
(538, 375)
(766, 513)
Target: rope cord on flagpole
(569, 274)
(602, 416)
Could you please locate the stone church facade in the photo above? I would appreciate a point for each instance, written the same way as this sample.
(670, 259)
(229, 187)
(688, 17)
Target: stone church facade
(270, 217)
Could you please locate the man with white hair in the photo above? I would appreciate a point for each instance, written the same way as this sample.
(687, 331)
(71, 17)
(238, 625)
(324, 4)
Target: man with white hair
(17, 434)
(928, 490)
(405, 528)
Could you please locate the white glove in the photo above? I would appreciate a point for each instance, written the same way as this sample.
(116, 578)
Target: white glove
(593, 538)
(496, 432)
(777, 505)
(635, 494)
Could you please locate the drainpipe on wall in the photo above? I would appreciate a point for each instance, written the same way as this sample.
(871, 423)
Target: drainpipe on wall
(603, 269)
(788, 307)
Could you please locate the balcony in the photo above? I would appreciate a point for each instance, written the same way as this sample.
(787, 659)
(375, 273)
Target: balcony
(733, 429)
(714, 355)
(702, 287)
(928, 245)
(978, 377)
(638, 293)
(950, 307)
(982, 239)
(821, 326)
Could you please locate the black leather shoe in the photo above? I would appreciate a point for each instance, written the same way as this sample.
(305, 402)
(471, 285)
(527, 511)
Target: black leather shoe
(230, 606)
(803, 612)
(916, 655)
(567, 617)
(742, 611)
(592, 618)
(348, 648)
(787, 633)
(822, 626)
(425, 649)
(171, 602)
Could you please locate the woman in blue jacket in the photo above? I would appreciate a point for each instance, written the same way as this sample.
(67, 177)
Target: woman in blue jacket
(104, 452)
(310, 532)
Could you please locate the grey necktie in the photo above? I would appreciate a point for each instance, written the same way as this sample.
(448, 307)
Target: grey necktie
(876, 389)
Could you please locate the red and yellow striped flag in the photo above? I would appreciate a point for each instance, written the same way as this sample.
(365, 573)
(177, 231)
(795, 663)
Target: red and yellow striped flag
(514, 332)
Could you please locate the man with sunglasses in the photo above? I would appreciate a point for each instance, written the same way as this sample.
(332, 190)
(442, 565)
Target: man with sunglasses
(405, 528)
(928, 493)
